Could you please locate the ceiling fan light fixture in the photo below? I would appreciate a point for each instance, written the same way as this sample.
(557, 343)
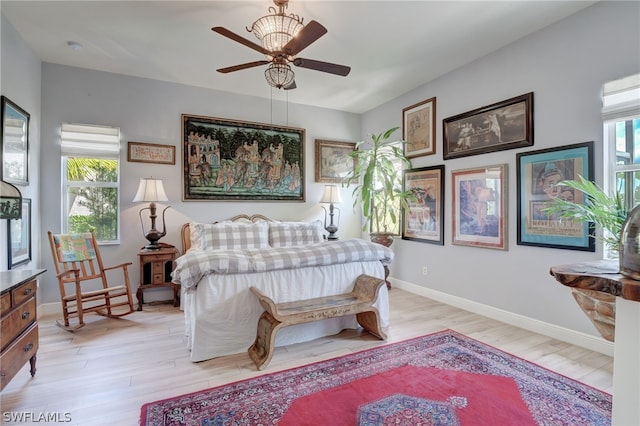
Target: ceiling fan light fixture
(279, 75)
(276, 30)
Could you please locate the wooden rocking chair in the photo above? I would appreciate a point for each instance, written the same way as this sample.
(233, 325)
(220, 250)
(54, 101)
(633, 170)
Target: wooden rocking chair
(82, 279)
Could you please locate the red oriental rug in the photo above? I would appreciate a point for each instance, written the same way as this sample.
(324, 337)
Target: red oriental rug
(444, 378)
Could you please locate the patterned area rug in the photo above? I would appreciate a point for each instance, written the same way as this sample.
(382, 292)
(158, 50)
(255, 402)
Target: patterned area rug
(444, 378)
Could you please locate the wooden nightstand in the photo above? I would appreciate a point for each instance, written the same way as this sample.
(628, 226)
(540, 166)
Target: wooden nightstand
(155, 272)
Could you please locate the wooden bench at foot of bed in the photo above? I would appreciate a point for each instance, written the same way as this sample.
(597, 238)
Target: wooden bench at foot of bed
(277, 315)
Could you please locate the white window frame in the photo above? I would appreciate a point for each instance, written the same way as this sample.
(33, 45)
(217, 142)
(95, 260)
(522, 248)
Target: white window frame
(89, 141)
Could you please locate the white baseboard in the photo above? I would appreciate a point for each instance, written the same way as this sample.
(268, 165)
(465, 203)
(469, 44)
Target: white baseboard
(594, 343)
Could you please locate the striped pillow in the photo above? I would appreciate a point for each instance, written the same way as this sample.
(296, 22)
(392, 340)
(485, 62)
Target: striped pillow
(229, 235)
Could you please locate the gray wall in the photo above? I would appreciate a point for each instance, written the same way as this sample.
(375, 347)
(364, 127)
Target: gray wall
(20, 79)
(565, 66)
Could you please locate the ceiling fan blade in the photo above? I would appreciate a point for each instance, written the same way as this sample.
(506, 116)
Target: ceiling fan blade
(310, 33)
(291, 86)
(235, 37)
(311, 64)
(242, 66)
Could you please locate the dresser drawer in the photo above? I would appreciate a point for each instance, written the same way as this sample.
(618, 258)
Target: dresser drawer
(17, 354)
(24, 292)
(16, 321)
(5, 303)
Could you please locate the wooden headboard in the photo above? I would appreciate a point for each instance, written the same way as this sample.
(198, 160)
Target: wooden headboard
(185, 232)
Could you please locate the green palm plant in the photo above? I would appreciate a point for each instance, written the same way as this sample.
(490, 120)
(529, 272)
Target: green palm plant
(605, 211)
(378, 190)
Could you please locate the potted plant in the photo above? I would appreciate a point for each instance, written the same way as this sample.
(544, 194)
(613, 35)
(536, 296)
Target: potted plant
(607, 212)
(378, 190)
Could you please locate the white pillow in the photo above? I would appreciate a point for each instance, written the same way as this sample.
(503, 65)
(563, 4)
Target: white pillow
(229, 235)
(293, 234)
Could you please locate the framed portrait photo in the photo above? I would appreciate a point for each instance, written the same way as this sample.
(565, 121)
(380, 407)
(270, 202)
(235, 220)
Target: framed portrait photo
(15, 143)
(333, 162)
(19, 237)
(423, 220)
(238, 160)
(503, 125)
(539, 173)
(479, 207)
(419, 128)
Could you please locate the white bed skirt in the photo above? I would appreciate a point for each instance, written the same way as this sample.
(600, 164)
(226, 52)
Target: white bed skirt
(221, 315)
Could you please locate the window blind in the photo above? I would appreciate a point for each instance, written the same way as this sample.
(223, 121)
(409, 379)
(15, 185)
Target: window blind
(621, 98)
(86, 139)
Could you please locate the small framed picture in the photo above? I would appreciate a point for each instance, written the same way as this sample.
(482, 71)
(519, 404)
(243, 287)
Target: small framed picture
(423, 220)
(19, 237)
(419, 128)
(538, 174)
(479, 207)
(151, 153)
(15, 143)
(333, 162)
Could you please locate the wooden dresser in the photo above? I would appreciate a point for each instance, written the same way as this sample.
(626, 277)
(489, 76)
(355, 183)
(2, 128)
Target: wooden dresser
(19, 322)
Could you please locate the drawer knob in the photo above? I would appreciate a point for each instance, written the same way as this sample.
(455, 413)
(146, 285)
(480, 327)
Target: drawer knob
(26, 292)
(28, 347)
(25, 315)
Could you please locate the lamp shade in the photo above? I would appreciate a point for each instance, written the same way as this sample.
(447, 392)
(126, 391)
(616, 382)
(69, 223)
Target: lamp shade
(10, 201)
(331, 195)
(150, 190)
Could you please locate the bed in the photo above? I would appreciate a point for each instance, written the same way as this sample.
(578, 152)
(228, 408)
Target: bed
(288, 261)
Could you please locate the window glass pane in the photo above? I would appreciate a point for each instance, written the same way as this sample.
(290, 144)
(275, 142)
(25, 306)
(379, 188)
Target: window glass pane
(93, 208)
(82, 169)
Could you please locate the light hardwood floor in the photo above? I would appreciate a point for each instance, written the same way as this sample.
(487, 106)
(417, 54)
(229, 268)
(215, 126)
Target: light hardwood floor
(103, 373)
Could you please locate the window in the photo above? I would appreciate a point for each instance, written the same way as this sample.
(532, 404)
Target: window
(621, 116)
(91, 180)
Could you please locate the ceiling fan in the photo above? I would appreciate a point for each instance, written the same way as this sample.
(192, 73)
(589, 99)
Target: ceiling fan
(282, 37)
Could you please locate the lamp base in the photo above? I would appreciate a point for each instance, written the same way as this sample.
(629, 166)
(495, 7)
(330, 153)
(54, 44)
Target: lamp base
(152, 247)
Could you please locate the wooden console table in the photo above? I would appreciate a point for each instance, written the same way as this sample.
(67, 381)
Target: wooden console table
(602, 276)
(19, 334)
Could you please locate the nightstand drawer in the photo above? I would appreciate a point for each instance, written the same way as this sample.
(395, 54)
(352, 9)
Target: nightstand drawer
(19, 352)
(18, 320)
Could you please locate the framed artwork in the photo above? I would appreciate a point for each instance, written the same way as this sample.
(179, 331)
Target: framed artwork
(423, 220)
(419, 128)
(538, 173)
(19, 237)
(496, 127)
(15, 143)
(479, 207)
(333, 162)
(151, 153)
(238, 160)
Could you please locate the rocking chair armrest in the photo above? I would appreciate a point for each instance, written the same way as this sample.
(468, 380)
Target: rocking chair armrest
(68, 272)
(122, 265)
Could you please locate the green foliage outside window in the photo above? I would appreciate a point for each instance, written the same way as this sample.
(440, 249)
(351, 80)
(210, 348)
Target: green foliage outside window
(93, 197)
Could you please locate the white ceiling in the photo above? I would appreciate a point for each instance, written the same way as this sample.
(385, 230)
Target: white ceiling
(391, 46)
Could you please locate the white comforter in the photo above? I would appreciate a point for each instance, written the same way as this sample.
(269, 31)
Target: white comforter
(221, 313)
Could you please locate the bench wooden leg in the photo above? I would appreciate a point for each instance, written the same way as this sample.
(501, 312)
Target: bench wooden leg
(370, 321)
(261, 351)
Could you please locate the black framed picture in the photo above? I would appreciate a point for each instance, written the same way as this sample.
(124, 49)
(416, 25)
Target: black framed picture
(539, 173)
(238, 160)
(423, 221)
(503, 125)
(19, 236)
(15, 143)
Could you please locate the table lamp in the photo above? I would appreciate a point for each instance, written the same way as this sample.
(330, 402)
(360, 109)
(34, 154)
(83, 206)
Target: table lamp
(152, 190)
(331, 196)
